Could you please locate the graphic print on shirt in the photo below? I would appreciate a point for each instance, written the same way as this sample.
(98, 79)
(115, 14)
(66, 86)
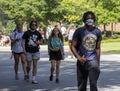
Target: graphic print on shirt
(32, 39)
(89, 42)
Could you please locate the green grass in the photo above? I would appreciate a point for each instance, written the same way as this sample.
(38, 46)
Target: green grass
(110, 48)
(111, 40)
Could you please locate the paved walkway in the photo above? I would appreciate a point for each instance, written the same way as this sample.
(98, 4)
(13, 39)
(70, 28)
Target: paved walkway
(109, 78)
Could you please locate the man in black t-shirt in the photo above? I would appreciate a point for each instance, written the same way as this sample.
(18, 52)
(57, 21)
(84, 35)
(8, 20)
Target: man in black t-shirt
(31, 41)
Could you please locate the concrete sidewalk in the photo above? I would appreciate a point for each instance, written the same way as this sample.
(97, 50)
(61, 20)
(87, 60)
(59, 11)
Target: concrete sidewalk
(109, 79)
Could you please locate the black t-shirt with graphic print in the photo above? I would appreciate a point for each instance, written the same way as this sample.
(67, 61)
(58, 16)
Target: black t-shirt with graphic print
(30, 38)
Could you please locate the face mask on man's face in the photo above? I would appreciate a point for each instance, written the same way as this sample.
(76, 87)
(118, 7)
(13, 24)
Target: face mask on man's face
(89, 22)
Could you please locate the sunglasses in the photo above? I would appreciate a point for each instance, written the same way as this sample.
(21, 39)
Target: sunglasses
(34, 24)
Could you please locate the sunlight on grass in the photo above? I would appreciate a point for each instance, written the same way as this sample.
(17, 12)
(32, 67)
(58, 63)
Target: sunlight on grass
(108, 48)
(113, 47)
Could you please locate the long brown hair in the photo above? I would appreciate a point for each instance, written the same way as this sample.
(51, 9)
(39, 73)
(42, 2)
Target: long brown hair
(53, 34)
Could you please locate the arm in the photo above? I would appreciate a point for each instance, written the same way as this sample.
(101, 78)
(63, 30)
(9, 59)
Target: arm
(98, 50)
(63, 52)
(39, 39)
(23, 45)
(13, 41)
(39, 42)
(73, 48)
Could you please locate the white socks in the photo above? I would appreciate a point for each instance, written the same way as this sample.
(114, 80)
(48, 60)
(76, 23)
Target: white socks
(33, 78)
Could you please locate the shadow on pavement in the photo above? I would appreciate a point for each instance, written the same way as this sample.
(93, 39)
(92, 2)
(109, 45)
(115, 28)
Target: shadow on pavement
(109, 77)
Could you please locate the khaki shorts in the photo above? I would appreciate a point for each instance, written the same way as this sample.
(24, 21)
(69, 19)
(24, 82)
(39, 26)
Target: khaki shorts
(32, 56)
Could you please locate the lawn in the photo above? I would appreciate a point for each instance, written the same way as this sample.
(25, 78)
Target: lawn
(110, 48)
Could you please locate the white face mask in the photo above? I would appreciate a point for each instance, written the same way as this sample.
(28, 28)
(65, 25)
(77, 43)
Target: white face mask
(89, 21)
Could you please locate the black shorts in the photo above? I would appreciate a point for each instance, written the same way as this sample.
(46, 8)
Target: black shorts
(55, 55)
(17, 53)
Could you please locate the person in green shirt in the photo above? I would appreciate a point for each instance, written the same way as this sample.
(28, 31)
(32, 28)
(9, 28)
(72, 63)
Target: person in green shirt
(56, 52)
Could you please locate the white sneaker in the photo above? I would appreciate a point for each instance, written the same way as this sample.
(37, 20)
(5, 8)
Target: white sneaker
(34, 82)
(73, 57)
(69, 56)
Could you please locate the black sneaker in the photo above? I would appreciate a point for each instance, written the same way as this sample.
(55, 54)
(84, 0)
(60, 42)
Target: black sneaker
(26, 77)
(51, 78)
(16, 77)
(57, 80)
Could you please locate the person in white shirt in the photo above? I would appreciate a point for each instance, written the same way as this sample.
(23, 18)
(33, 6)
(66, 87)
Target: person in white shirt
(17, 50)
(70, 32)
(63, 30)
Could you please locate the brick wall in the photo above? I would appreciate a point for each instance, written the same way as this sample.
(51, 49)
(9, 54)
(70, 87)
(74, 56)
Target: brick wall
(116, 27)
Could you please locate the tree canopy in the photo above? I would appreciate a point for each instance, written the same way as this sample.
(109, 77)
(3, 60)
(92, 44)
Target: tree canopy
(60, 10)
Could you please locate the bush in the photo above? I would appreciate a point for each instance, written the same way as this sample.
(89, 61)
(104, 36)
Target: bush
(110, 40)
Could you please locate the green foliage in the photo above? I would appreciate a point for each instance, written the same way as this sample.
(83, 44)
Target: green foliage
(10, 26)
(108, 35)
(109, 11)
(74, 10)
(26, 10)
(46, 11)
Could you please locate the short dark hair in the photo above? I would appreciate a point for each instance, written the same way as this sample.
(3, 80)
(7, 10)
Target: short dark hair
(33, 21)
(88, 13)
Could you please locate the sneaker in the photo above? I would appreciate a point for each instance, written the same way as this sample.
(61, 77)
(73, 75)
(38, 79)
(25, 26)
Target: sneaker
(51, 78)
(34, 82)
(57, 80)
(69, 56)
(26, 77)
(73, 57)
(16, 77)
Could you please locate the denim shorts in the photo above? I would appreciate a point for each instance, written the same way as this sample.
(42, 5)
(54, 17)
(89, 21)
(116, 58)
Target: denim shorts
(32, 56)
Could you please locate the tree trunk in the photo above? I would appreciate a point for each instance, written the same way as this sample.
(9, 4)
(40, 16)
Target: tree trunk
(112, 30)
(104, 26)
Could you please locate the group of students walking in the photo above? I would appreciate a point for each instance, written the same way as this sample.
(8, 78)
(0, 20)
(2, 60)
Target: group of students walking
(25, 45)
(84, 43)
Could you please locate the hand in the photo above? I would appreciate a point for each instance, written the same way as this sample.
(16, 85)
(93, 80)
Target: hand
(82, 59)
(18, 39)
(37, 42)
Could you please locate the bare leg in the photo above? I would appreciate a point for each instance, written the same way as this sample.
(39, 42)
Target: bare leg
(24, 63)
(16, 58)
(57, 69)
(34, 71)
(52, 67)
(28, 67)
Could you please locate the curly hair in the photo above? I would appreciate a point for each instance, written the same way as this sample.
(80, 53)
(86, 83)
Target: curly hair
(88, 13)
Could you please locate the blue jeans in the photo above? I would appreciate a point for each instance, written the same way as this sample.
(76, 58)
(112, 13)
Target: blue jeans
(88, 69)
